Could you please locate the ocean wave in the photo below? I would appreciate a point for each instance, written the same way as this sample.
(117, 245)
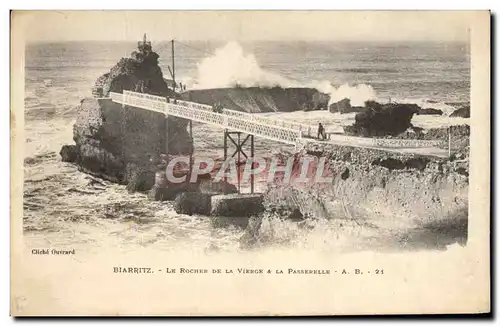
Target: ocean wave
(231, 67)
(242, 70)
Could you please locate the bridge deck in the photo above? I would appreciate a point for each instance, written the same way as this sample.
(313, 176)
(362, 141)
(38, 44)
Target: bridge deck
(266, 127)
(200, 113)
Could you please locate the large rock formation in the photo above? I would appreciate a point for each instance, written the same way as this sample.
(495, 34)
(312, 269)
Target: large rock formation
(383, 119)
(261, 99)
(344, 106)
(463, 112)
(430, 111)
(120, 143)
(376, 190)
(193, 203)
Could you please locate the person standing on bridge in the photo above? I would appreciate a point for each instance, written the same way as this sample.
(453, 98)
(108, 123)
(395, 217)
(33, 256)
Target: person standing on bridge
(321, 132)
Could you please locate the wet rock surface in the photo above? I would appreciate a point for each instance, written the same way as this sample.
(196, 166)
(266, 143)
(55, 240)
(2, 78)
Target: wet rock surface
(261, 99)
(193, 203)
(139, 177)
(410, 196)
(463, 112)
(237, 205)
(382, 119)
(69, 153)
(430, 111)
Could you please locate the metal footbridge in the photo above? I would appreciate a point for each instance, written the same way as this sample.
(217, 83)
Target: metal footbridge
(260, 126)
(279, 130)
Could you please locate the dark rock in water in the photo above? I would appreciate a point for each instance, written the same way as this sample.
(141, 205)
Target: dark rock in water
(284, 212)
(163, 193)
(344, 106)
(383, 119)
(430, 111)
(69, 153)
(340, 106)
(261, 99)
(226, 221)
(109, 137)
(139, 178)
(193, 203)
(163, 190)
(463, 112)
(457, 104)
(235, 209)
(237, 205)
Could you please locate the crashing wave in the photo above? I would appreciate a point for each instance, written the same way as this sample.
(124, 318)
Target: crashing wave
(231, 67)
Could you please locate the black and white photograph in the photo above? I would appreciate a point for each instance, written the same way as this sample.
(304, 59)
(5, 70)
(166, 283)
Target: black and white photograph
(241, 133)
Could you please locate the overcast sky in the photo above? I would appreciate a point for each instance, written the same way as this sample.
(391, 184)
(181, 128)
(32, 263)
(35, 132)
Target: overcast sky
(255, 25)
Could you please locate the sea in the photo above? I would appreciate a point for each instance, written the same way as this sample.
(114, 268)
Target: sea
(64, 206)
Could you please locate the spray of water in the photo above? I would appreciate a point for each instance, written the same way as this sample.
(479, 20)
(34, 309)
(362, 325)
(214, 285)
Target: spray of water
(231, 66)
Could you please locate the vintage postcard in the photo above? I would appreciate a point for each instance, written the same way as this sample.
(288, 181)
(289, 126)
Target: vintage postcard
(250, 163)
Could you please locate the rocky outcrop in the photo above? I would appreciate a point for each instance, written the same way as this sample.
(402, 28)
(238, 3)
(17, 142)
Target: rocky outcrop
(140, 177)
(69, 153)
(237, 205)
(344, 106)
(110, 137)
(430, 111)
(378, 190)
(140, 73)
(463, 112)
(261, 99)
(121, 143)
(382, 119)
(193, 203)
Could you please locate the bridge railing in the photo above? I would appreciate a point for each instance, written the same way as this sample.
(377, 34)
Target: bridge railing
(161, 105)
(250, 123)
(304, 128)
(271, 132)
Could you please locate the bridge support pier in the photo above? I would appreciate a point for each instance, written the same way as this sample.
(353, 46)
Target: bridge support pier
(238, 144)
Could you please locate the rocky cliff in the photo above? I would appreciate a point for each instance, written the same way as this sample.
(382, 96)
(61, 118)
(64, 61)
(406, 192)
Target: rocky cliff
(344, 106)
(383, 191)
(117, 143)
(377, 119)
(463, 112)
(261, 99)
